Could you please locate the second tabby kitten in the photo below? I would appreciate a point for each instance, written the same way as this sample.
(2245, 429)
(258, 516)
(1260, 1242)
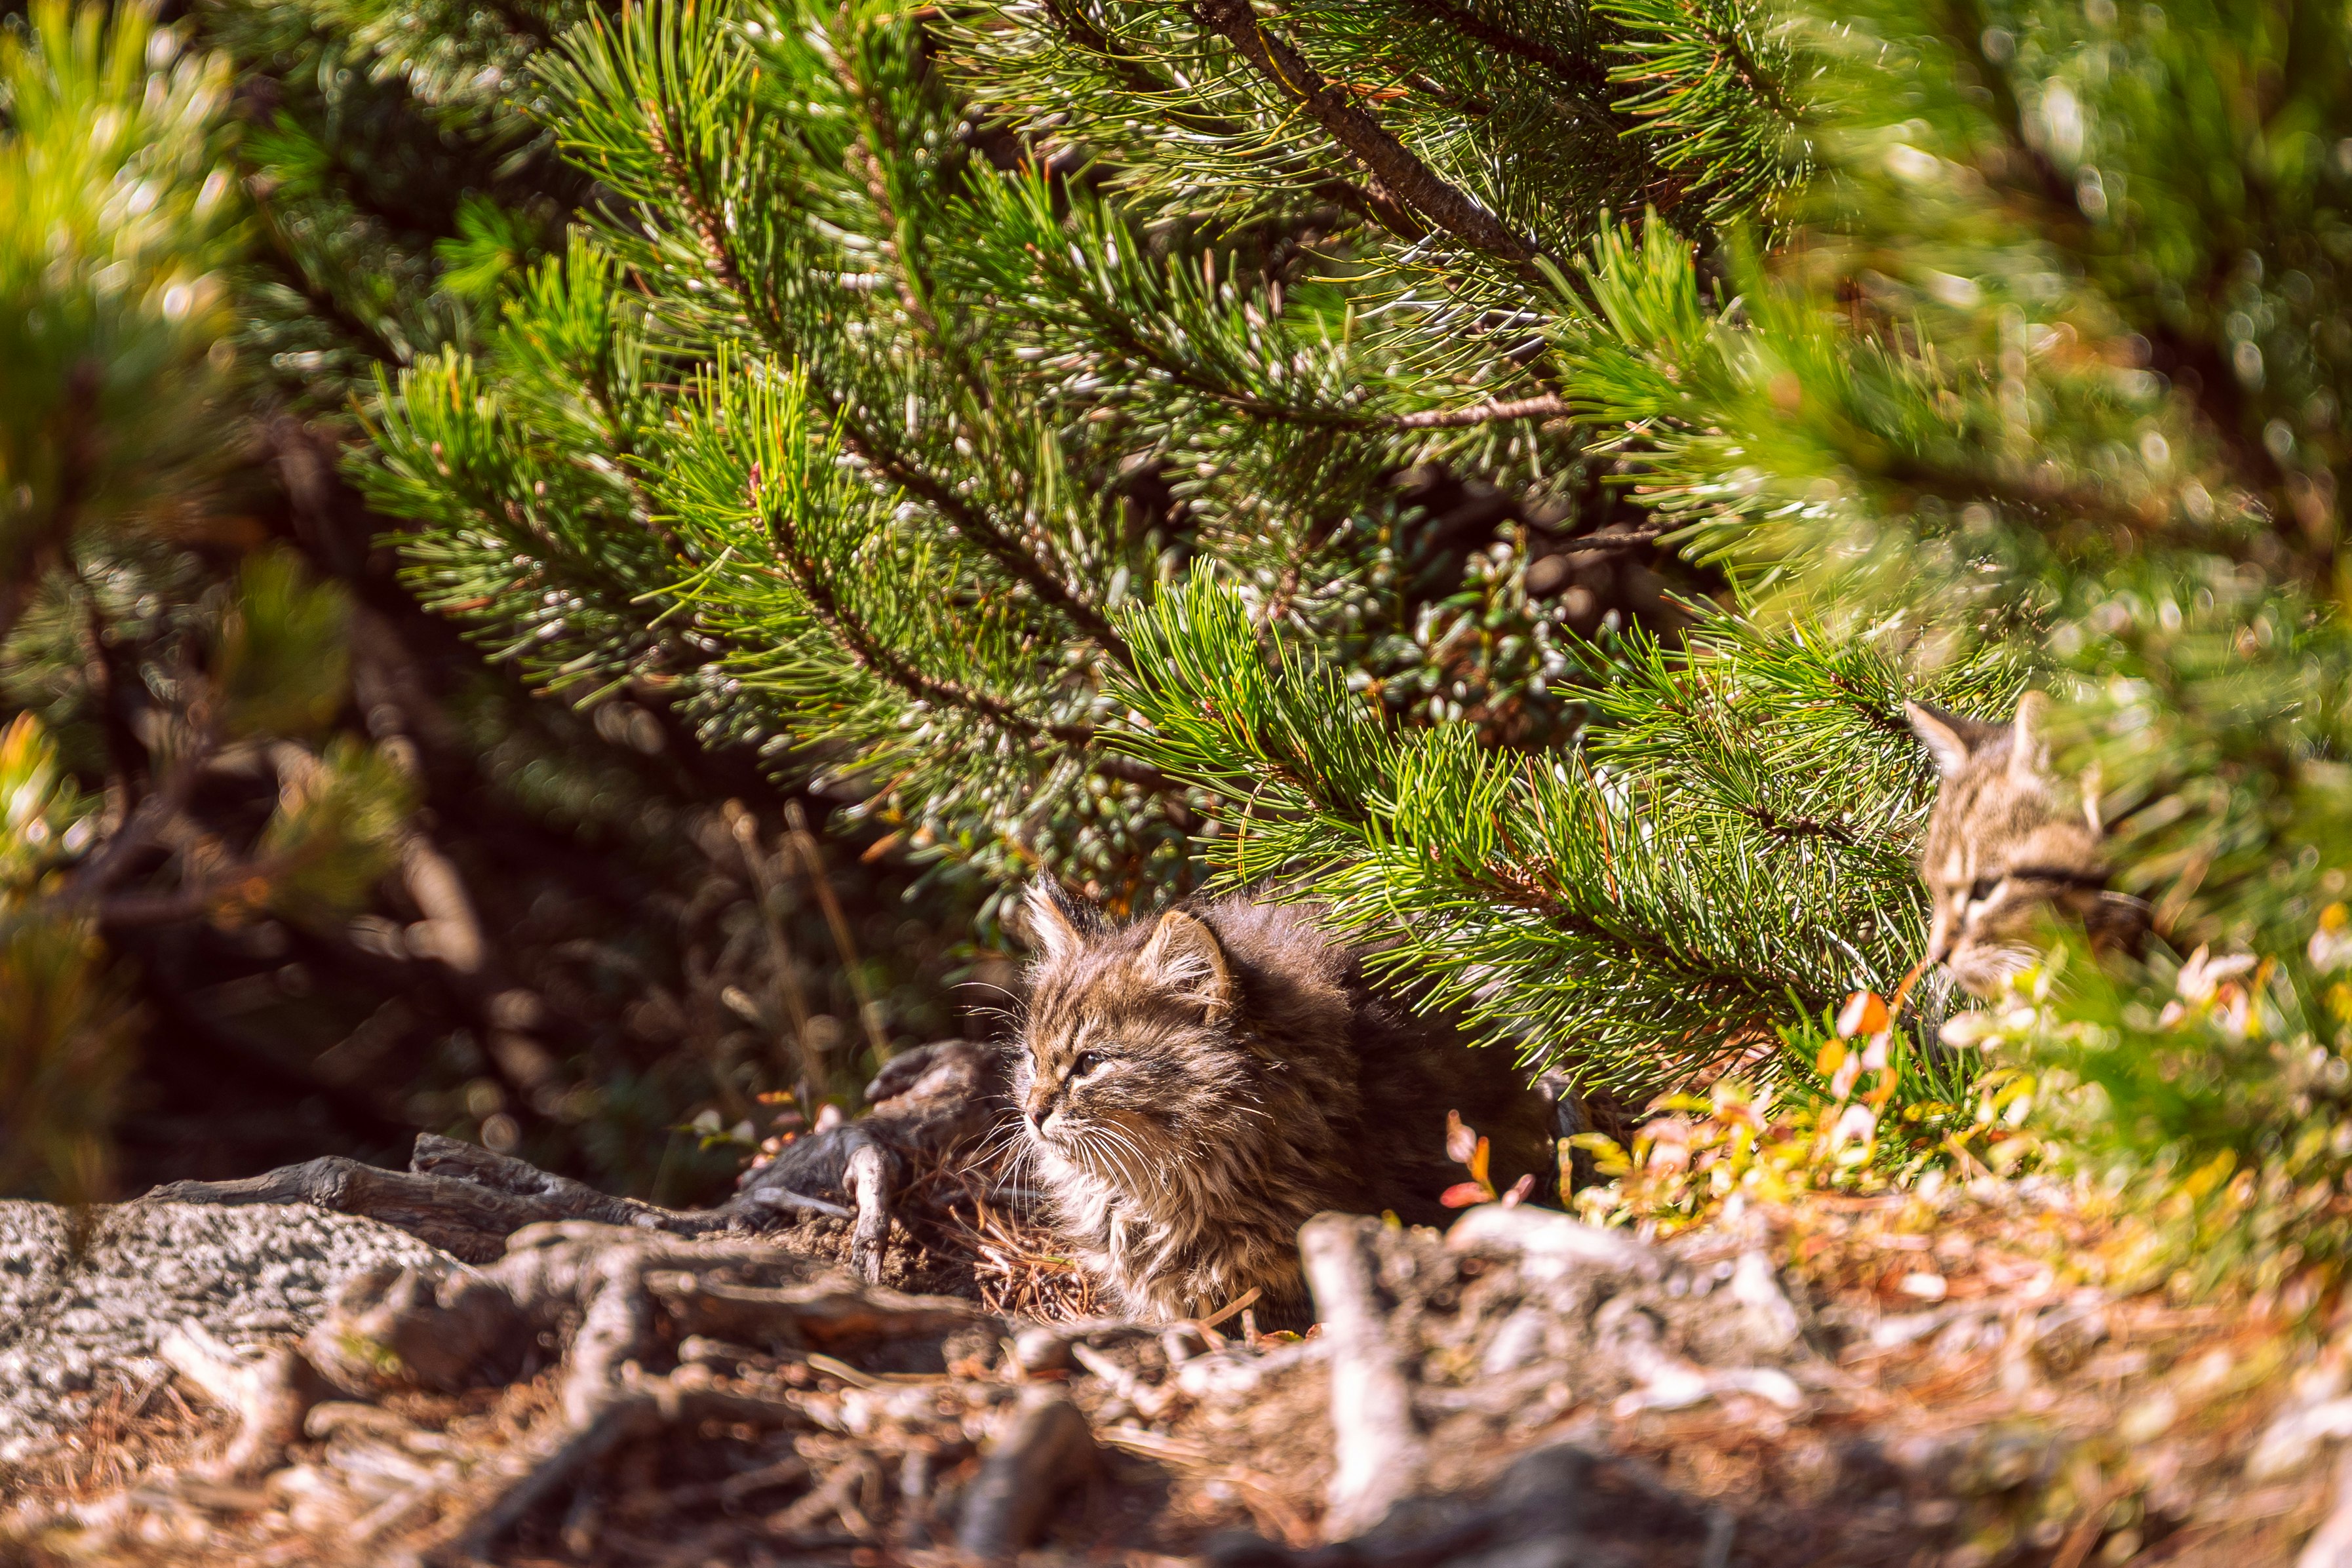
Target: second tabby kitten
(2009, 841)
(1193, 1088)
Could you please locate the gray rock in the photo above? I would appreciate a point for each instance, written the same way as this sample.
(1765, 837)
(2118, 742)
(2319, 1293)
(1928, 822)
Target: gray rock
(78, 1312)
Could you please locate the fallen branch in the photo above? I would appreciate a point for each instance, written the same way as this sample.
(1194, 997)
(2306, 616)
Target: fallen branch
(820, 1314)
(835, 1497)
(457, 1216)
(869, 1181)
(467, 1200)
(438, 1328)
(585, 1437)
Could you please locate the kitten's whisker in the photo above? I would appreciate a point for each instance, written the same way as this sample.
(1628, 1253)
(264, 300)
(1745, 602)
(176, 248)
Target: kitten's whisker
(994, 1146)
(1109, 1131)
(1109, 1140)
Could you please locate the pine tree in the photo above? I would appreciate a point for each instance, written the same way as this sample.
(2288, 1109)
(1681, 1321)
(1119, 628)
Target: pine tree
(132, 655)
(1015, 411)
(552, 930)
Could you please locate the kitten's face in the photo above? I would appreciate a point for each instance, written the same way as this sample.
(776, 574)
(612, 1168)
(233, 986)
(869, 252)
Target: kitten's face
(1127, 1066)
(2006, 843)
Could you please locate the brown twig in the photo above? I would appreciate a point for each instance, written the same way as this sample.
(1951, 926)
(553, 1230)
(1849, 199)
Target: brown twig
(765, 883)
(811, 858)
(1388, 162)
(1550, 405)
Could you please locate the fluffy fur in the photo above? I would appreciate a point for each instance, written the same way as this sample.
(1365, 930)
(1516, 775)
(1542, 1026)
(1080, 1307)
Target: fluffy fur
(1193, 1088)
(2006, 843)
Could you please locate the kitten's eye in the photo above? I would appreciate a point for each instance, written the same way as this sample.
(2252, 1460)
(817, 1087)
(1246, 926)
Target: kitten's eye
(1088, 1062)
(1984, 888)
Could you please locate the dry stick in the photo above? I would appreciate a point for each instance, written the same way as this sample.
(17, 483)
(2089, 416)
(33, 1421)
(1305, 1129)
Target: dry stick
(460, 1215)
(821, 1313)
(833, 1496)
(764, 882)
(1246, 1298)
(637, 1414)
(632, 1415)
(869, 1012)
(1377, 1448)
(869, 1178)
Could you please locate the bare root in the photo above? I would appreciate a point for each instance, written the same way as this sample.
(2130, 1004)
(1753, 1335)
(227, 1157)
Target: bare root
(466, 1200)
(1376, 1448)
(269, 1391)
(1047, 1449)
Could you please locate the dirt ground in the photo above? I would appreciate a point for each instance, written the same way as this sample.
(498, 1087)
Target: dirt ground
(1896, 1381)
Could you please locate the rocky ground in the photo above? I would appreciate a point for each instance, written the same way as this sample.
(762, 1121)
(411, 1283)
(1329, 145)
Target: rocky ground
(1901, 1380)
(86, 1297)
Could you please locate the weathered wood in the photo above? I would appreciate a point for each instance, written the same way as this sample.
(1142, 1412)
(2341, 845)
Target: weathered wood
(558, 1197)
(1377, 1448)
(588, 1435)
(438, 1327)
(466, 1221)
(823, 1314)
(870, 1179)
(467, 1200)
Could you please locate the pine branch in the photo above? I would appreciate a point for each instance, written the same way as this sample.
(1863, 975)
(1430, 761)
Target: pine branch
(1126, 63)
(1395, 173)
(871, 655)
(1584, 76)
(916, 480)
(1548, 406)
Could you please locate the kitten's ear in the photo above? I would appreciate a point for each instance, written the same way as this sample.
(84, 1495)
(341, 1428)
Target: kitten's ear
(1183, 956)
(1945, 736)
(1051, 930)
(2029, 746)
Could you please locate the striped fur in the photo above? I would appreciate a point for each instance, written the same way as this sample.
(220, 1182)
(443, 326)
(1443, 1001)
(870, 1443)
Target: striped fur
(1192, 1090)
(2006, 845)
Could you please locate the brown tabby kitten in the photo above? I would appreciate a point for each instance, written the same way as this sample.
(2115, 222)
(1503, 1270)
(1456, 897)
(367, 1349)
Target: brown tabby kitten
(2006, 843)
(1194, 1089)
